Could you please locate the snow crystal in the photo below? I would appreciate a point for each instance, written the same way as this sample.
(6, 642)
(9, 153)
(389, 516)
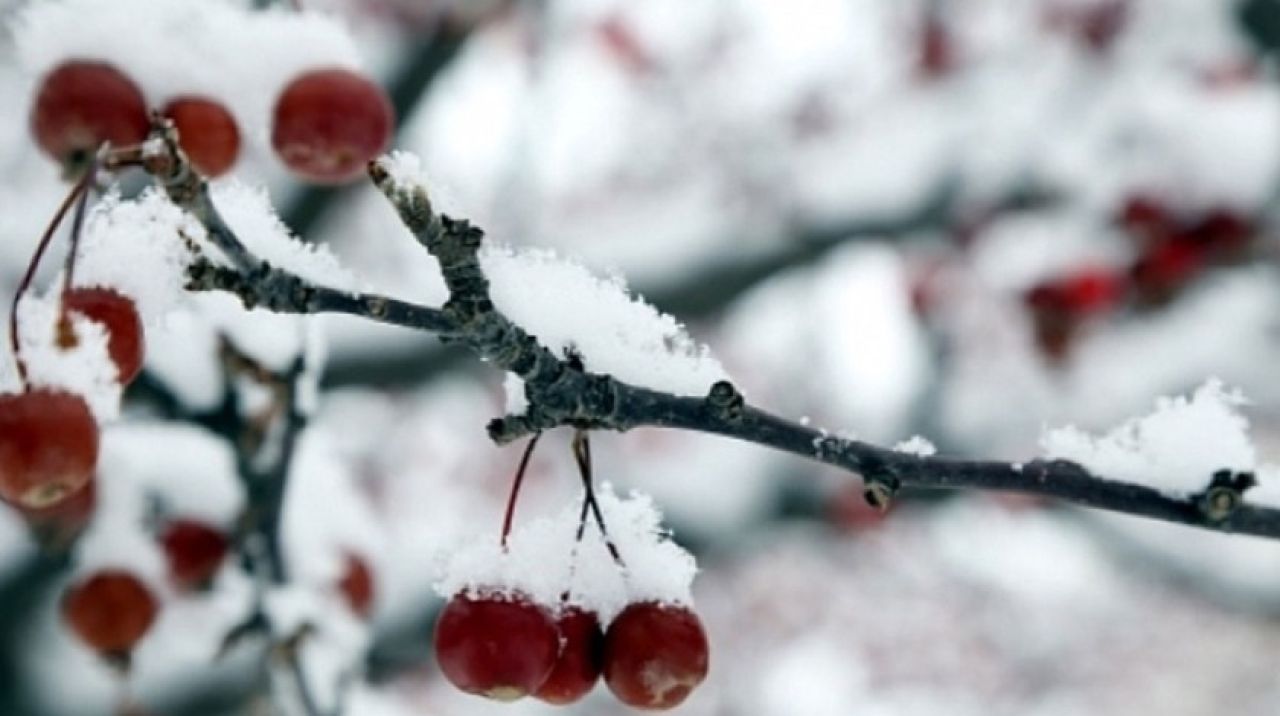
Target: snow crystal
(224, 50)
(567, 307)
(1176, 448)
(543, 562)
(250, 214)
(86, 370)
(916, 445)
(136, 248)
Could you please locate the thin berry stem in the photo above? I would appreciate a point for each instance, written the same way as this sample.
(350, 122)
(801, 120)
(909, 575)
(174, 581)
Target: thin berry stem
(582, 454)
(509, 518)
(28, 278)
(77, 225)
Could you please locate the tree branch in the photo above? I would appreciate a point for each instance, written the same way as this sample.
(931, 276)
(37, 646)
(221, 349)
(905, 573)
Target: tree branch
(561, 394)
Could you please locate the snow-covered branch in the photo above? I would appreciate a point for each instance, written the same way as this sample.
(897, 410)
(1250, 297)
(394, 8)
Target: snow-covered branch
(559, 392)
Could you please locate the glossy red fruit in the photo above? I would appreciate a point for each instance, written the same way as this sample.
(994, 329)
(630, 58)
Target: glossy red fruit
(357, 586)
(329, 123)
(62, 521)
(655, 655)
(110, 611)
(581, 658)
(48, 447)
(498, 646)
(207, 133)
(119, 316)
(82, 104)
(194, 551)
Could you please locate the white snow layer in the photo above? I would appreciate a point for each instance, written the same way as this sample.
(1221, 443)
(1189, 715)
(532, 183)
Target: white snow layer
(543, 562)
(1176, 448)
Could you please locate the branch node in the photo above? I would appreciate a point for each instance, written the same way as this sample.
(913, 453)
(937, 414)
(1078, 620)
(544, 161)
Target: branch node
(1224, 495)
(725, 401)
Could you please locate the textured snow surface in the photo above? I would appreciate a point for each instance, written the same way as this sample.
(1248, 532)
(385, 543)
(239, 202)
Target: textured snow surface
(86, 369)
(916, 445)
(543, 561)
(1176, 448)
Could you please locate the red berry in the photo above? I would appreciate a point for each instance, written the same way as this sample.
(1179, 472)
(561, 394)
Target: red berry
(1147, 217)
(62, 521)
(581, 658)
(1166, 268)
(48, 447)
(194, 551)
(82, 104)
(937, 48)
(499, 646)
(357, 586)
(119, 317)
(654, 655)
(329, 123)
(207, 133)
(111, 611)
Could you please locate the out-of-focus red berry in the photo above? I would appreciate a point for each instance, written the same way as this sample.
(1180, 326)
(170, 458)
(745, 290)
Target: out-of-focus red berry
(80, 105)
(207, 133)
(329, 123)
(357, 586)
(194, 551)
(110, 611)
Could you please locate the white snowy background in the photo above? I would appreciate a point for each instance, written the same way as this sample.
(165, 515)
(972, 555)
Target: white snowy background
(655, 144)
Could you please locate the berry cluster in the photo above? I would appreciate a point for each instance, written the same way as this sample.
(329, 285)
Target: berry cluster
(327, 123)
(504, 646)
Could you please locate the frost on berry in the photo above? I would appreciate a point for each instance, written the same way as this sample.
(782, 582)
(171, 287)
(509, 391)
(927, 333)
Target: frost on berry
(329, 123)
(119, 317)
(655, 655)
(80, 105)
(110, 611)
(48, 447)
(497, 645)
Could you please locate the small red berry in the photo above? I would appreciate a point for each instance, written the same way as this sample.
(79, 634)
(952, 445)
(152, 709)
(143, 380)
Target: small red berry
(82, 104)
(1147, 217)
(357, 586)
(329, 123)
(498, 646)
(655, 655)
(194, 551)
(110, 611)
(937, 48)
(581, 658)
(48, 447)
(117, 314)
(207, 133)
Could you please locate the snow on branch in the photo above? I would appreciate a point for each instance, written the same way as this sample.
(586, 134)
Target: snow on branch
(566, 390)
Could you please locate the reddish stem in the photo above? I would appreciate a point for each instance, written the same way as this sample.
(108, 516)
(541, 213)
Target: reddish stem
(582, 454)
(80, 187)
(515, 489)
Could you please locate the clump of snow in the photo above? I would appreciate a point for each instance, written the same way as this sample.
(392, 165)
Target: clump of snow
(136, 248)
(567, 307)
(250, 214)
(543, 561)
(916, 445)
(517, 402)
(241, 57)
(1176, 448)
(86, 369)
(193, 477)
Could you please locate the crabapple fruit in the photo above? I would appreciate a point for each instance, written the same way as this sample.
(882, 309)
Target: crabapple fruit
(110, 611)
(194, 551)
(500, 646)
(207, 133)
(48, 447)
(581, 656)
(357, 586)
(328, 124)
(80, 105)
(654, 655)
(117, 314)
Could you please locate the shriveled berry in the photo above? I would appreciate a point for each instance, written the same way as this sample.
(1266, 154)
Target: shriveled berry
(207, 133)
(194, 551)
(655, 655)
(110, 611)
(80, 105)
(581, 658)
(329, 123)
(500, 646)
(48, 447)
(357, 586)
(119, 316)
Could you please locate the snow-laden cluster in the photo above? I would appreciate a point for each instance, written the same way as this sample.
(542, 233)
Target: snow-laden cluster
(85, 369)
(224, 50)
(1176, 448)
(544, 562)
